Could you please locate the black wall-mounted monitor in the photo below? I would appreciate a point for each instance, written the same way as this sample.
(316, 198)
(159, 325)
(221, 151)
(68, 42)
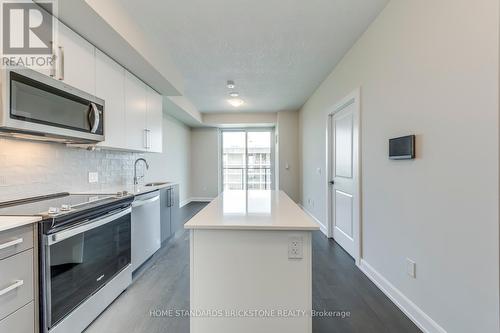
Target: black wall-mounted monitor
(402, 148)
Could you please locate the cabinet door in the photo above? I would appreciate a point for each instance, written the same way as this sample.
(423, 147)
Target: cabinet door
(135, 113)
(155, 121)
(75, 60)
(110, 86)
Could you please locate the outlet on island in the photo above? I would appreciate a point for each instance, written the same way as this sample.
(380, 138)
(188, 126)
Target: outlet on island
(295, 248)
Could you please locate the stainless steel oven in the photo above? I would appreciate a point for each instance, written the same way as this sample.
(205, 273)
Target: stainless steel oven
(36, 106)
(77, 263)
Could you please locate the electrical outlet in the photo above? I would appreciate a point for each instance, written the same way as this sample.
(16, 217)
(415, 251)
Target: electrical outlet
(411, 267)
(295, 248)
(93, 177)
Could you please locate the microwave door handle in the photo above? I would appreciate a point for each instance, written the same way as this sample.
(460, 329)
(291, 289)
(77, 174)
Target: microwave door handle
(96, 117)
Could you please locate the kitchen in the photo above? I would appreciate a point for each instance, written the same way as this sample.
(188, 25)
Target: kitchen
(233, 167)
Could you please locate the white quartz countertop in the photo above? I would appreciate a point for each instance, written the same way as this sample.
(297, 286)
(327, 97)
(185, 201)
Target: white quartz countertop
(252, 210)
(136, 190)
(11, 222)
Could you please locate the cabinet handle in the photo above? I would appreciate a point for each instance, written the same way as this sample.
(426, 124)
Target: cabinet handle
(53, 65)
(61, 63)
(13, 286)
(145, 139)
(11, 243)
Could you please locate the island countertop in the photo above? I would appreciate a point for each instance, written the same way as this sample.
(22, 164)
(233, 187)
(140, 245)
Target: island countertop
(252, 210)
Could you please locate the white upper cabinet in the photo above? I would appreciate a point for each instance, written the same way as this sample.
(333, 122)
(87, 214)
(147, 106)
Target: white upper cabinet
(154, 121)
(135, 113)
(110, 86)
(75, 60)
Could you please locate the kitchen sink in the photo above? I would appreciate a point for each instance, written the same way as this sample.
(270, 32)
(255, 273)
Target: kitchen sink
(157, 184)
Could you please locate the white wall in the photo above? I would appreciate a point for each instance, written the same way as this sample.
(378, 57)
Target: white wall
(240, 119)
(430, 68)
(204, 162)
(288, 153)
(175, 161)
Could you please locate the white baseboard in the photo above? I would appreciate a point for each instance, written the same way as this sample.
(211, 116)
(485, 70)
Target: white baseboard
(322, 227)
(410, 309)
(184, 202)
(195, 199)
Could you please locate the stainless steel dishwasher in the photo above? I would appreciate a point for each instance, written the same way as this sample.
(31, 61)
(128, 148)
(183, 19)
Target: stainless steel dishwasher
(146, 229)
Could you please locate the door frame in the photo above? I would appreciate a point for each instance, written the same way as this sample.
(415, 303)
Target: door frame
(352, 99)
(272, 130)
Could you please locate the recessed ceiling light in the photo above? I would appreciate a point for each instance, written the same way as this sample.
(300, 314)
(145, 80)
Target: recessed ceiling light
(230, 84)
(233, 94)
(236, 102)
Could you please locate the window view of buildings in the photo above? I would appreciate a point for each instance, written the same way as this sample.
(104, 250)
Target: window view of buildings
(246, 160)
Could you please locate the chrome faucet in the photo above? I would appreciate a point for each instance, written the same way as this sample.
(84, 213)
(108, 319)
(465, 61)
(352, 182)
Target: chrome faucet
(136, 179)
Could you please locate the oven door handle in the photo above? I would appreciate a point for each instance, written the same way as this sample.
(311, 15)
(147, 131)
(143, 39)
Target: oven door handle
(65, 234)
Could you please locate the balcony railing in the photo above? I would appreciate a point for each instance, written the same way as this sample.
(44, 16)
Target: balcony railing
(238, 178)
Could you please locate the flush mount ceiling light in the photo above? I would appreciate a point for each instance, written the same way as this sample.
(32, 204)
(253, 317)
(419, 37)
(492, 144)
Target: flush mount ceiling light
(230, 84)
(236, 102)
(233, 94)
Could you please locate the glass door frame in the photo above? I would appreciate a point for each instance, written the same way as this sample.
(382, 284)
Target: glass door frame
(246, 130)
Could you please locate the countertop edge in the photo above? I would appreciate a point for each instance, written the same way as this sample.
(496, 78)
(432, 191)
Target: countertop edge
(11, 222)
(250, 228)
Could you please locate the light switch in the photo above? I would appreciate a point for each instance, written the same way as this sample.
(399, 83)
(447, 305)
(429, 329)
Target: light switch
(411, 268)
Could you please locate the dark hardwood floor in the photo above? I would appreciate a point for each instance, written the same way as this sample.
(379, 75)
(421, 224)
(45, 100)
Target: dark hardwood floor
(338, 285)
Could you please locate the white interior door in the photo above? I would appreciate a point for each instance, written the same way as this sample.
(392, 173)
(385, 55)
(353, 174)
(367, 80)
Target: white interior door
(344, 194)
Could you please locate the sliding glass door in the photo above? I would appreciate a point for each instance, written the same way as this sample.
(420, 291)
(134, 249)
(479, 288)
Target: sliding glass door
(247, 159)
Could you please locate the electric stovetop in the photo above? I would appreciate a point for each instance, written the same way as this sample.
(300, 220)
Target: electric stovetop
(61, 209)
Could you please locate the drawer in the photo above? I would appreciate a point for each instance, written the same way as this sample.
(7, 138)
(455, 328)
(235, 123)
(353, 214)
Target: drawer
(15, 240)
(21, 321)
(13, 270)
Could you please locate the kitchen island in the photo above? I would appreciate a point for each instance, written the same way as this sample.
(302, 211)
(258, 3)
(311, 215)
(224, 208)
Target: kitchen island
(250, 261)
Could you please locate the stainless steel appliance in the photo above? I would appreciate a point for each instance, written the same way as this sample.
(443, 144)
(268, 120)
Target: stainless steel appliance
(36, 106)
(146, 229)
(85, 255)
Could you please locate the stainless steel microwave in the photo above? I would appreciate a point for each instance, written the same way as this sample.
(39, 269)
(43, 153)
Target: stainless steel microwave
(35, 106)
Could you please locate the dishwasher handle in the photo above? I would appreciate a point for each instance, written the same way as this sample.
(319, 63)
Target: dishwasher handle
(139, 203)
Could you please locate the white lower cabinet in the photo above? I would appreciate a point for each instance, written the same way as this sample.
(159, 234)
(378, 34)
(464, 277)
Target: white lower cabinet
(21, 321)
(17, 280)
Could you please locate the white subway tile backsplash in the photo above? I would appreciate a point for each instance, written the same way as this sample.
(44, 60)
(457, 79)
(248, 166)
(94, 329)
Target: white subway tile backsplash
(35, 168)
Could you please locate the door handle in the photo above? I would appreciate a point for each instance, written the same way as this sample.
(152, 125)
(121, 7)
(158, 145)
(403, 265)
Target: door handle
(331, 182)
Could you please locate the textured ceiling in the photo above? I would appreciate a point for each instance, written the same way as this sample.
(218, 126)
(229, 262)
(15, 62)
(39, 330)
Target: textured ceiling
(276, 51)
